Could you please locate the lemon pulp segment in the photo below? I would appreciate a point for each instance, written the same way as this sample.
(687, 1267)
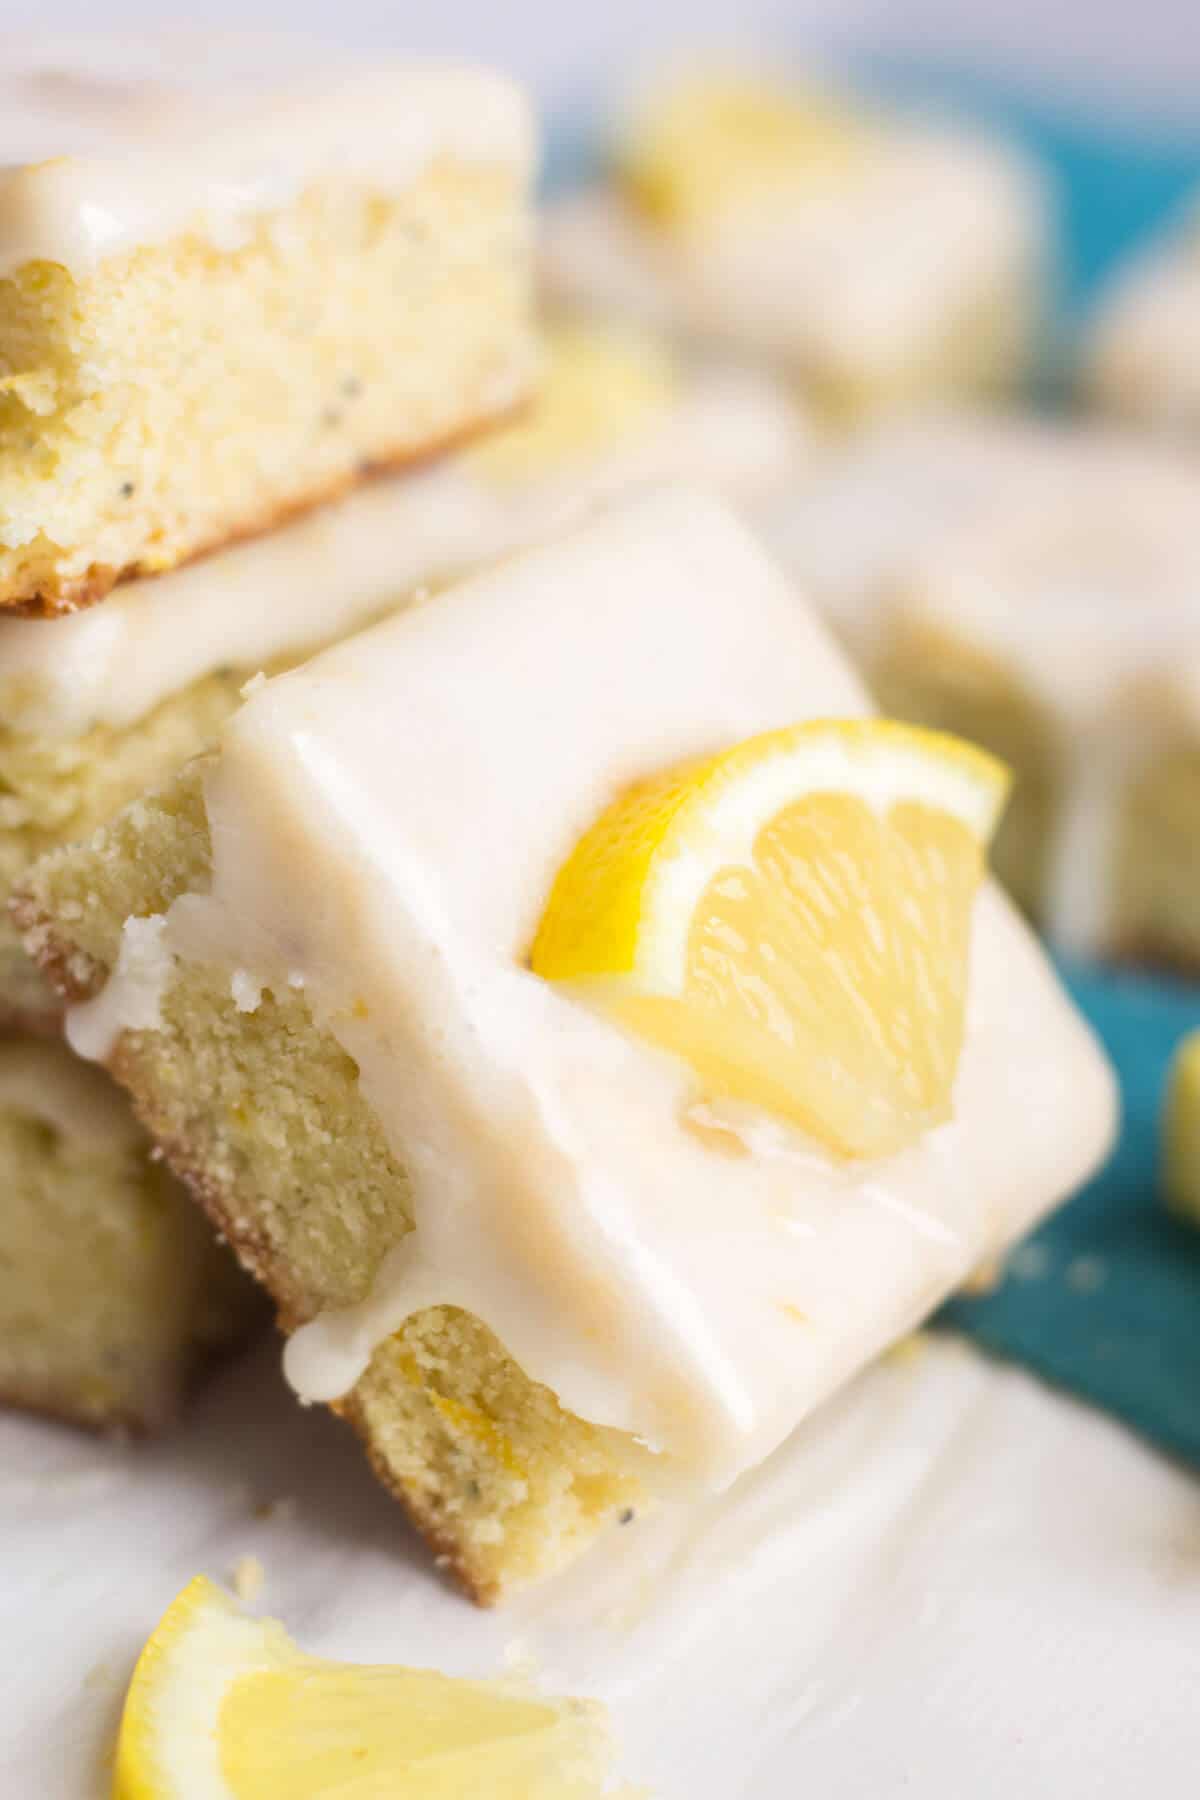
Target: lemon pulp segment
(225, 1707)
(792, 918)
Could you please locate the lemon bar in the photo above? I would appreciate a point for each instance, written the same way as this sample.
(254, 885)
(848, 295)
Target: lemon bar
(1142, 355)
(220, 305)
(541, 1285)
(877, 260)
(1035, 587)
(114, 1293)
(99, 706)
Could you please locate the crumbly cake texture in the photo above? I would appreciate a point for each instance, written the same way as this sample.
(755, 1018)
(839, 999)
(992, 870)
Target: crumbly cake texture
(259, 1112)
(114, 1293)
(181, 395)
(921, 673)
(1156, 898)
(55, 790)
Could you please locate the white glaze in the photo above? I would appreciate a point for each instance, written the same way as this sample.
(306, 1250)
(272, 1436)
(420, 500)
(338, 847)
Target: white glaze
(857, 276)
(429, 777)
(328, 573)
(138, 164)
(44, 1081)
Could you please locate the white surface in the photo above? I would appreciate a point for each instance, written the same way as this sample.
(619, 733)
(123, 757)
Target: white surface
(951, 1584)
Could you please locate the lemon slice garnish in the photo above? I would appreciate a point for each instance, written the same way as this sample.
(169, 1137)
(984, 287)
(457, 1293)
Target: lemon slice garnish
(1181, 1132)
(599, 385)
(710, 142)
(792, 917)
(225, 1707)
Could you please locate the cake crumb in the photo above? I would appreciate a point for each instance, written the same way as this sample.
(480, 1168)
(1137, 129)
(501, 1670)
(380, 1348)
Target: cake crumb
(247, 993)
(248, 1579)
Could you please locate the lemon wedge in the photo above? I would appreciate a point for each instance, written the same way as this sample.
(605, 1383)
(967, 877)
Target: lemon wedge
(709, 142)
(599, 384)
(792, 917)
(1181, 1132)
(225, 1707)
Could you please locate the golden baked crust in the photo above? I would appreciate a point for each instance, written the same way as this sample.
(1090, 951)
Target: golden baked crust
(114, 1295)
(180, 395)
(51, 601)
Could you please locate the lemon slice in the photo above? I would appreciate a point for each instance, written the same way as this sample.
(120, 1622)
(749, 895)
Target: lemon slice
(793, 918)
(599, 385)
(225, 1707)
(1181, 1132)
(710, 142)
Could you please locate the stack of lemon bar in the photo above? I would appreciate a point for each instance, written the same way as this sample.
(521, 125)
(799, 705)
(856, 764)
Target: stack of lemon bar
(590, 1024)
(210, 319)
(1036, 586)
(874, 258)
(212, 316)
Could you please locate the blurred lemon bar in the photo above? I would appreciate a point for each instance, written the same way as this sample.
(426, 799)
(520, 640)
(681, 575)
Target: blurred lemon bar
(878, 260)
(227, 293)
(98, 707)
(592, 1026)
(114, 1293)
(1035, 587)
(1142, 356)
(226, 1707)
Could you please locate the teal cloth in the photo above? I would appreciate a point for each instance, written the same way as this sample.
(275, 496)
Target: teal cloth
(1105, 1300)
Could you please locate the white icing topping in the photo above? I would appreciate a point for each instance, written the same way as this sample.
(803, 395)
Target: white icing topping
(855, 275)
(1071, 559)
(46, 1082)
(428, 778)
(131, 1000)
(139, 166)
(327, 574)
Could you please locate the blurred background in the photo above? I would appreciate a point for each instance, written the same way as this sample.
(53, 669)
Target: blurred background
(1135, 58)
(1105, 93)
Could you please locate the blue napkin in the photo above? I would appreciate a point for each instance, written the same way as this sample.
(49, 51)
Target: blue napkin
(1105, 1299)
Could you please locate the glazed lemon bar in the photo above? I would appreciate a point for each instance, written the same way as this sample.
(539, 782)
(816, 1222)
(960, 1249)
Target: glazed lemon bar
(97, 707)
(878, 260)
(114, 1293)
(1142, 358)
(1037, 588)
(217, 308)
(590, 1024)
